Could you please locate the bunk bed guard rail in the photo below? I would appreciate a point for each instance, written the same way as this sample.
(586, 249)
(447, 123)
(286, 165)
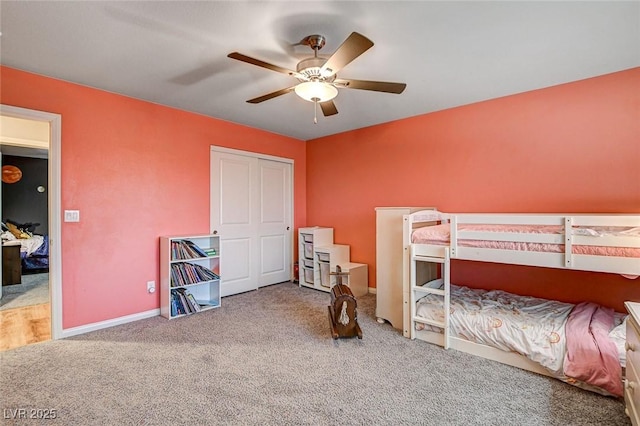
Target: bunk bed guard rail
(591, 242)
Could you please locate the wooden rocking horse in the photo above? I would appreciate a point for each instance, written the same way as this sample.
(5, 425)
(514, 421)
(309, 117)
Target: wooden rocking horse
(343, 315)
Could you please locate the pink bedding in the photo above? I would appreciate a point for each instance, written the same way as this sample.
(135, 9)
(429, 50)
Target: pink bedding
(577, 344)
(440, 235)
(592, 357)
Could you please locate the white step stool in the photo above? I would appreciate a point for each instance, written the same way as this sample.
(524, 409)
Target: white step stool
(357, 280)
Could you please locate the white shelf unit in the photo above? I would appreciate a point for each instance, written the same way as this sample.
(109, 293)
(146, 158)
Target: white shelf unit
(189, 271)
(357, 278)
(308, 239)
(325, 260)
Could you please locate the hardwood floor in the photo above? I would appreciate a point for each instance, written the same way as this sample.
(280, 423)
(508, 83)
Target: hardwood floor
(23, 326)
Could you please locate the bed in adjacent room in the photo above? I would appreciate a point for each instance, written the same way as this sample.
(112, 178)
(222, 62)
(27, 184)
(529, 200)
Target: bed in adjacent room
(34, 248)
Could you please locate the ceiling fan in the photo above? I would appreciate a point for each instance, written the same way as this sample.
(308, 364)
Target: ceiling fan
(318, 81)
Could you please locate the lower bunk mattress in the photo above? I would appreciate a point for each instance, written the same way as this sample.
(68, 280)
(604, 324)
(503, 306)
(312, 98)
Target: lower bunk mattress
(580, 344)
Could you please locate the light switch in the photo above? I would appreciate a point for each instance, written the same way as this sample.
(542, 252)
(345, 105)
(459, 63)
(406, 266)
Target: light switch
(72, 215)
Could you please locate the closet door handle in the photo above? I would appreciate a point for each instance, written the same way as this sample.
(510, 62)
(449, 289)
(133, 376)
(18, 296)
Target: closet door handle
(288, 228)
(215, 232)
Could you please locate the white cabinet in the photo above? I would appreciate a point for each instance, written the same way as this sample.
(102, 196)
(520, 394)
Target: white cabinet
(356, 278)
(632, 380)
(318, 258)
(189, 274)
(308, 239)
(325, 260)
(390, 253)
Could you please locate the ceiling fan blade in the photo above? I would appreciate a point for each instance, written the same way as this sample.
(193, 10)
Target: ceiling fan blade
(258, 62)
(378, 86)
(355, 45)
(328, 108)
(271, 95)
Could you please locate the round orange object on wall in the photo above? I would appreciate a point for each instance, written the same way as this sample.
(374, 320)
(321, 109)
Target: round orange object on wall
(11, 174)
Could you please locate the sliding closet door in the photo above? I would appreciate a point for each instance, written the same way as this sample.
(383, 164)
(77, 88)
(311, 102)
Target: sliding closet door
(275, 222)
(251, 202)
(233, 195)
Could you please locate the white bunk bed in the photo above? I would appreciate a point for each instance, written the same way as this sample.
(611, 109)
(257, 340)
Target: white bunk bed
(607, 243)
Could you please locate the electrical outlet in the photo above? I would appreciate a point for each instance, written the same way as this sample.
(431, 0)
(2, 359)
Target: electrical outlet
(151, 286)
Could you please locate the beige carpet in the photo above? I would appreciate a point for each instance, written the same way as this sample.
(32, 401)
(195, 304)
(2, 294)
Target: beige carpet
(266, 358)
(33, 290)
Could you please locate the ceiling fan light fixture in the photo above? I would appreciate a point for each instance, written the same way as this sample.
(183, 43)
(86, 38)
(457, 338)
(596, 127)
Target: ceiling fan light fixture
(316, 91)
(319, 82)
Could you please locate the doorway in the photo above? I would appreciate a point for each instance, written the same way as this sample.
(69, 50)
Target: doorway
(31, 305)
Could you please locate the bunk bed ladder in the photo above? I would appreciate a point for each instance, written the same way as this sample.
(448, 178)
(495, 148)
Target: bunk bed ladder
(446, 275)
(423, 291)
(412, 291)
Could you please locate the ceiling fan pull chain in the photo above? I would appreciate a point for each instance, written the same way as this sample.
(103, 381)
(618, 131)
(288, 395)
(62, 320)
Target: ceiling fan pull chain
(315, 110)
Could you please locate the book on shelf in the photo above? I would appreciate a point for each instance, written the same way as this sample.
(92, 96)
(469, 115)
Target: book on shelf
(185, 273)
(174, 306)
(184, 297)
(186, 249)
(183, 302)
(197, 250)
(177, 308)
(191, 299)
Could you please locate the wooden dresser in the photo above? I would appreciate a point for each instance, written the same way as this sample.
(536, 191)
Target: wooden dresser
(11, 267)
(632, 380)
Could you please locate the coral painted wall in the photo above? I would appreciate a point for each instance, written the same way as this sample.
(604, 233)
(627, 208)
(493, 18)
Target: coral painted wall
(136, 171)
(568, 148)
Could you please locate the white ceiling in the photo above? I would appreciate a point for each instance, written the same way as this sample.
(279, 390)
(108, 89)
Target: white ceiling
(24, 138)
(449, 53)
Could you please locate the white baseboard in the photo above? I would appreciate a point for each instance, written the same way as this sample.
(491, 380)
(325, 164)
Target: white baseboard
(372, 290)
(74, 331)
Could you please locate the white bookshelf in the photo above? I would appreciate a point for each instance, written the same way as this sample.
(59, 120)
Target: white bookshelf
(185, 270)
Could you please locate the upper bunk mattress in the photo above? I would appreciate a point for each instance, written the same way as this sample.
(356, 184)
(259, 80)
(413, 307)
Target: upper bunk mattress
(441, 235)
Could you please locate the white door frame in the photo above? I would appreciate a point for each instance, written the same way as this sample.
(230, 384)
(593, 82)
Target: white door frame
(55, 258)
(264, 157)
